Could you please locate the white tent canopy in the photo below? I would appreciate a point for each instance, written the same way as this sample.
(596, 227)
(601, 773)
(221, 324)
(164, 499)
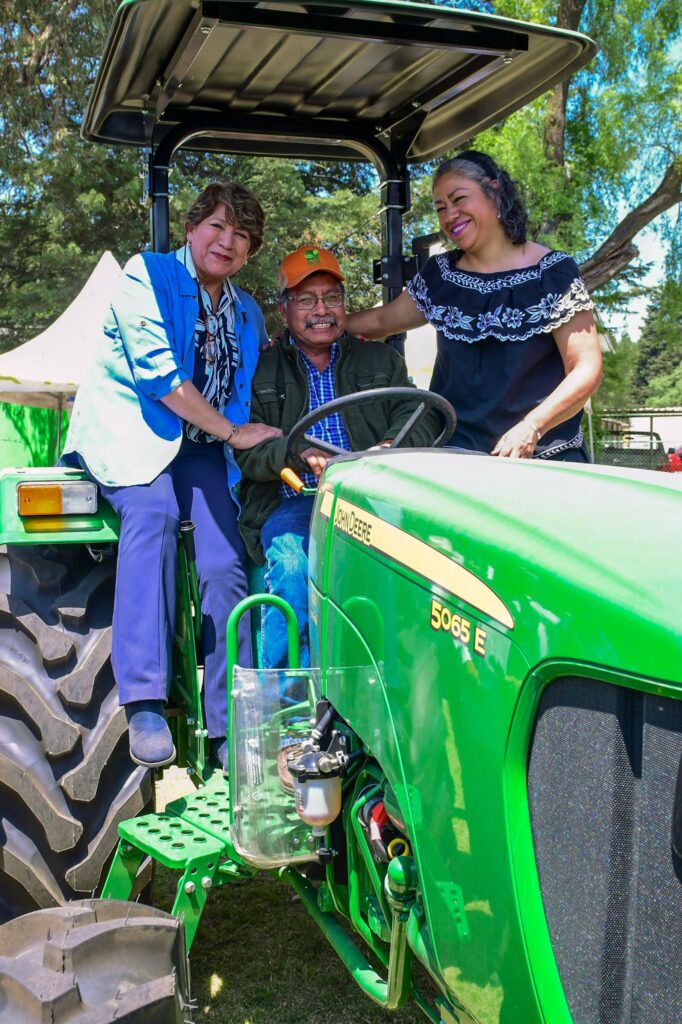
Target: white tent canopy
(47, 370)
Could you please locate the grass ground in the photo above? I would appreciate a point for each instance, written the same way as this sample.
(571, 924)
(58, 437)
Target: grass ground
(258, 957)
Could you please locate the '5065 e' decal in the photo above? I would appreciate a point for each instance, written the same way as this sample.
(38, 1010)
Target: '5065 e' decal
(458, 627)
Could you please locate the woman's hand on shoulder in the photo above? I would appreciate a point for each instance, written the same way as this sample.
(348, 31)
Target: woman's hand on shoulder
(518, 442)
(250, 434)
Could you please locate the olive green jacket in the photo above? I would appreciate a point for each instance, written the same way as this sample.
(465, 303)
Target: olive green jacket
(280, 396)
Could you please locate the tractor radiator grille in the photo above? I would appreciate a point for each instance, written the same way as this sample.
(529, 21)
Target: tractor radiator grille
(601, 780)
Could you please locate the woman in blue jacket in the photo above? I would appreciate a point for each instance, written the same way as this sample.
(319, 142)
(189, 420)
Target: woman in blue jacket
(155, 425)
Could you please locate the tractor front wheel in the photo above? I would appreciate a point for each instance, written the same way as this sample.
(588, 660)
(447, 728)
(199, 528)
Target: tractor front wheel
(94, 962)
(66, 778)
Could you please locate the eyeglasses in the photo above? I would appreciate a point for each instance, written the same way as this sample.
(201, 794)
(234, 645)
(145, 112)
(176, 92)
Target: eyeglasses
(308, 301)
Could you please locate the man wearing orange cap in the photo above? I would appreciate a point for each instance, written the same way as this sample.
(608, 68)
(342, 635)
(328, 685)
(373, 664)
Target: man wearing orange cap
(314, 361)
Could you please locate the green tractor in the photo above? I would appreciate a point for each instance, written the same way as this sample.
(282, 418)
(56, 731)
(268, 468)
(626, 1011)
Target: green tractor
(488, 774)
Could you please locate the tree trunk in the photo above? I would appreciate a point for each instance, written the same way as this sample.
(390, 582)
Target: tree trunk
(569, 14)
(618, 250)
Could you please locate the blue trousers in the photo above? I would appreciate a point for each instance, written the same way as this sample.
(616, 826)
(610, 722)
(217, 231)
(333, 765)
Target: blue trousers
(193, 486)
(284, 537)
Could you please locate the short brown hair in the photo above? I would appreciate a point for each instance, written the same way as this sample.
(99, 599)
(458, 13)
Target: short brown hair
(241, 206)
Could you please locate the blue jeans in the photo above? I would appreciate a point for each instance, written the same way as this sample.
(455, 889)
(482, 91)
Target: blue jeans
(191, 487)
(284, 537)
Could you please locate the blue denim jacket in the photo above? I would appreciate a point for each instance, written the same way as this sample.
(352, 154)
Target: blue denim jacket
(119, 426)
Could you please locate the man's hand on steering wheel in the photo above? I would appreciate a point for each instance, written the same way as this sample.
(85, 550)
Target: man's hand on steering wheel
(316, 460)
(318, 454)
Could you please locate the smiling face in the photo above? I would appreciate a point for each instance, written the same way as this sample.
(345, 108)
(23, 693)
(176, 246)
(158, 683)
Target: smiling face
(315, 330)
(467, 216)
(219, 248)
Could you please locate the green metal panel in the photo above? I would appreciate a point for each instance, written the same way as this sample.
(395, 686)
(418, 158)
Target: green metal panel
(418, 707)
(189, 731)
(580, 556)
(586, 583)
(102, 527)
(420, 78)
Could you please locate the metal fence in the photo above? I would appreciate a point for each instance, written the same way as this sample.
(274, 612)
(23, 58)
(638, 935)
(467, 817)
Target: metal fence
(618, 442)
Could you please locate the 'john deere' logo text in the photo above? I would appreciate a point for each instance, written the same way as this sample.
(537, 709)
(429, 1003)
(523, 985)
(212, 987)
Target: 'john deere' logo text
(353, 525)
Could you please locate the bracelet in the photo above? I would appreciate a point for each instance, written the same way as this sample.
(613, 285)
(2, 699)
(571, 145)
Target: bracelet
(532, 426)
(234, 430)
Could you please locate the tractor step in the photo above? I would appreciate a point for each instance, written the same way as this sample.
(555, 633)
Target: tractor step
(208, 809)
(169, 840)
(192, 835)
(196, 825)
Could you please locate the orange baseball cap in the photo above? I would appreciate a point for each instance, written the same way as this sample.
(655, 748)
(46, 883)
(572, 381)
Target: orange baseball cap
(309, 259)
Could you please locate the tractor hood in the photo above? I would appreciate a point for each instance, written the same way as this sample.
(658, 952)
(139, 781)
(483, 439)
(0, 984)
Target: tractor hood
(567, 561)
(289, 79)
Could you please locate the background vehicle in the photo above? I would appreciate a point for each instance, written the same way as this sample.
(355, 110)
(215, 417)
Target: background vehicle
(499, 681)
(674, 460)
(637, 449)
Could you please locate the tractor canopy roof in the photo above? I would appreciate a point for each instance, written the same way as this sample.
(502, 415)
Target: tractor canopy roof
(323, 79)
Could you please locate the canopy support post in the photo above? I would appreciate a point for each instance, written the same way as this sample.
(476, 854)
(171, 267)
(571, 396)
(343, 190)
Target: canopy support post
(391, 166)
(159, 212)
(395, 201)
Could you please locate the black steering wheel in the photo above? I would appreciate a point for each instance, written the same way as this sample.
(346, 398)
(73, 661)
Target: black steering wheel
(427, 400)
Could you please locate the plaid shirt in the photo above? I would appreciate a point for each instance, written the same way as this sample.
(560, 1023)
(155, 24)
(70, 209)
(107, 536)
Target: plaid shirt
(322, 388)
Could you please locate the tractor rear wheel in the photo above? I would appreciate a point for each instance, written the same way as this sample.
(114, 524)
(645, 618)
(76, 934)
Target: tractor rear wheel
(66, 778)
(94, 962)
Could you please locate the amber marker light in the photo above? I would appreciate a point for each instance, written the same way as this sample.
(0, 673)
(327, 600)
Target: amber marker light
(74, 497)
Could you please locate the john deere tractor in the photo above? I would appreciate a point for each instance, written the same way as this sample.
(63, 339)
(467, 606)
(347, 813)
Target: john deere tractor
(486, 773)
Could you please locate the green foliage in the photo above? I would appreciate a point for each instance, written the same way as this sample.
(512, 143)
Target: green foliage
(343, 221)
(666, 389)
(657, 378)
(63, 202)
(616, 388)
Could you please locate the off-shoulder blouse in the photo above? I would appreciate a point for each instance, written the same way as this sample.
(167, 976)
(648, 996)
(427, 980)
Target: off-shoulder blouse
(497, 359)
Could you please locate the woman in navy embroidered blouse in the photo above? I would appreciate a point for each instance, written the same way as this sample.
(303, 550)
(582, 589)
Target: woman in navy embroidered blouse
(518, 353)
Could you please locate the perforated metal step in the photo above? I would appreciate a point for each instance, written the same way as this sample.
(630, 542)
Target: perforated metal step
(169, 839)
(208, 809)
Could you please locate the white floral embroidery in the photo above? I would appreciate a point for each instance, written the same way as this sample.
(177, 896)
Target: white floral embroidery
(549, 306)
(488, 320)
(455, 318)
(512, 317)
(505, 323)
(561, 446)
(418, 290)
(475, 282)
(578, 295)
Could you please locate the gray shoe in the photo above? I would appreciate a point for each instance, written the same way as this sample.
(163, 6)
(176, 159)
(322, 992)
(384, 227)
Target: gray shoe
(149, 737)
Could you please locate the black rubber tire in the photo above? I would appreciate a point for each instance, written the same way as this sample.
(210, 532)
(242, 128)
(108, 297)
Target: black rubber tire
(94, 962)
(66, 778)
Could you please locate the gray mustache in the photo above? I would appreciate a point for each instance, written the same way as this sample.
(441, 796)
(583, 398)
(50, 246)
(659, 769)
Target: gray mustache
(331, 320)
